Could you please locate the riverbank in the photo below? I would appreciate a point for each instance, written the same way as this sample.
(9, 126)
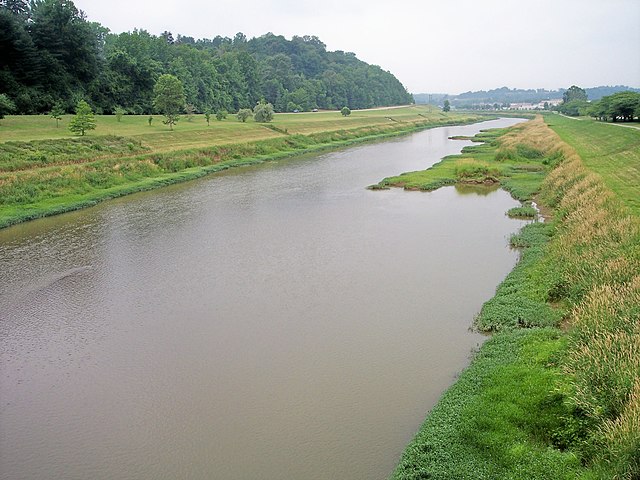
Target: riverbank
(46, 177)
(555, 393)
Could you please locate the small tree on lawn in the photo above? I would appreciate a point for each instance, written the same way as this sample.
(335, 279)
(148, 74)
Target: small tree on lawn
(221, 115)
(84, 119)
(243, 114)
(190, 110)
(263, 112)
(6, 105)
(346, 111)
(447, 106)
(169, 98)
(207, 117)
(56, 113)
(119, 112)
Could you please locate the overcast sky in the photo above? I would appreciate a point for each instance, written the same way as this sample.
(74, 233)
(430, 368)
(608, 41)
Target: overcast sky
(434, 46)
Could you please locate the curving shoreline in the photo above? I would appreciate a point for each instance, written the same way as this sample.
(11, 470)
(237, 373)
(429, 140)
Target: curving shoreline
(57, 189)
(548, 396)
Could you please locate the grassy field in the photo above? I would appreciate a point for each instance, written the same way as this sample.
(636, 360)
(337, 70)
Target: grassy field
(44, 170)
(194, 133)
(555, 393)
(611, 151)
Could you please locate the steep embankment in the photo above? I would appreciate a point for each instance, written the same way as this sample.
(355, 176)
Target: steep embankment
(556, 392)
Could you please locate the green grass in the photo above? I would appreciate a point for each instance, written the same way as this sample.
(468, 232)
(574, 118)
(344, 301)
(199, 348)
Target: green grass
(520, 172)
(611, 151)
(540, 401)
(499, 418)
(45, 177)
(196, 132)
(525, 211)
(521, 300)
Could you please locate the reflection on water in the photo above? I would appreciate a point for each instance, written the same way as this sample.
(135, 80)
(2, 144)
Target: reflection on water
(272, 322)
(482, 190)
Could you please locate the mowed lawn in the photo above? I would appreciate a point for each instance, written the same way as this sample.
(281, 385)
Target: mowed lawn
(610, 150)
(196, 133)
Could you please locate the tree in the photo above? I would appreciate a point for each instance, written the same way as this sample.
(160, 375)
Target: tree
(150, 119)
(263, 112)
(56, 113)
(346, 111)
(623, 105)
(207, 117)
(83, 120)
(293, 107)
(574, 107)
(169, 98)
(190, 110)
(243, 114)
(574, 93)
(221, 115)
(447, 106)
(6, 105)
(119, 111)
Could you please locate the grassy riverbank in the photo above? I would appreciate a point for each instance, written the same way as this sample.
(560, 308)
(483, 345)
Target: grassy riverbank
(47, 176)
(556, 392)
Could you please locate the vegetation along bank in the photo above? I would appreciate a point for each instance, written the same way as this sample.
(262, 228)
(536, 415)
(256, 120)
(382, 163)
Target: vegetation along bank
(53, 175)
(555, 393)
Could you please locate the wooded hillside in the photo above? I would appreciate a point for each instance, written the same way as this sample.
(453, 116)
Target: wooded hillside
(52, 54)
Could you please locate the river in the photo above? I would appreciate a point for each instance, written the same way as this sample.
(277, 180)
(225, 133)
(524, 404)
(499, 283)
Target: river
(271, 322)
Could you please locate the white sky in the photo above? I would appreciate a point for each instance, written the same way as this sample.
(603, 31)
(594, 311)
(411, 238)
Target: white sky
(434, 46)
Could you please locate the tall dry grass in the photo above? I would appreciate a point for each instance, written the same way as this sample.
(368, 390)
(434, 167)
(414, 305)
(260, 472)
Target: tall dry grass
(594, 259)
(594, 263)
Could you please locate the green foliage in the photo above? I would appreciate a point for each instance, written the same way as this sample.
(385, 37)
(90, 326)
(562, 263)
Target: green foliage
(476, 171)
(574, 102)
(82, 172)
(190, 110)
(221, 115)
(574, 93)
(263, 112)
(243, 114)
(622, 106)
(83, 120)
(119, 112)
(52, 53)
(575, 108)
(447, 106)
(293, 107)
(519, 169)
(19, 156)
(169, 98)
(583, 418)
(521, 299)
(150, 120)
(6, 105)
(525, 211)
(496, 420)
(207, 117)
(345, 111)
(56, 113)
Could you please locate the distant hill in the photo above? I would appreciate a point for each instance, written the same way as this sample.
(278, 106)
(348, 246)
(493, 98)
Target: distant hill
(51, 53)
(506, 95)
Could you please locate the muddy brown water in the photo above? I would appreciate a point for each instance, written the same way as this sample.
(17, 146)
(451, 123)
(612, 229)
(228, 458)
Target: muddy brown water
(273, 322)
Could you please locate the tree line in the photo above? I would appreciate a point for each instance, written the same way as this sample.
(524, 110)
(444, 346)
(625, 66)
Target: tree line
(52, 54)
(620, 106)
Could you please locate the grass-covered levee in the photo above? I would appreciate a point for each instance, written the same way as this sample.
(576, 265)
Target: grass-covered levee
(555, 393)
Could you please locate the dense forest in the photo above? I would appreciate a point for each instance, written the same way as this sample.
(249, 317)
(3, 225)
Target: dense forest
(51, 54)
